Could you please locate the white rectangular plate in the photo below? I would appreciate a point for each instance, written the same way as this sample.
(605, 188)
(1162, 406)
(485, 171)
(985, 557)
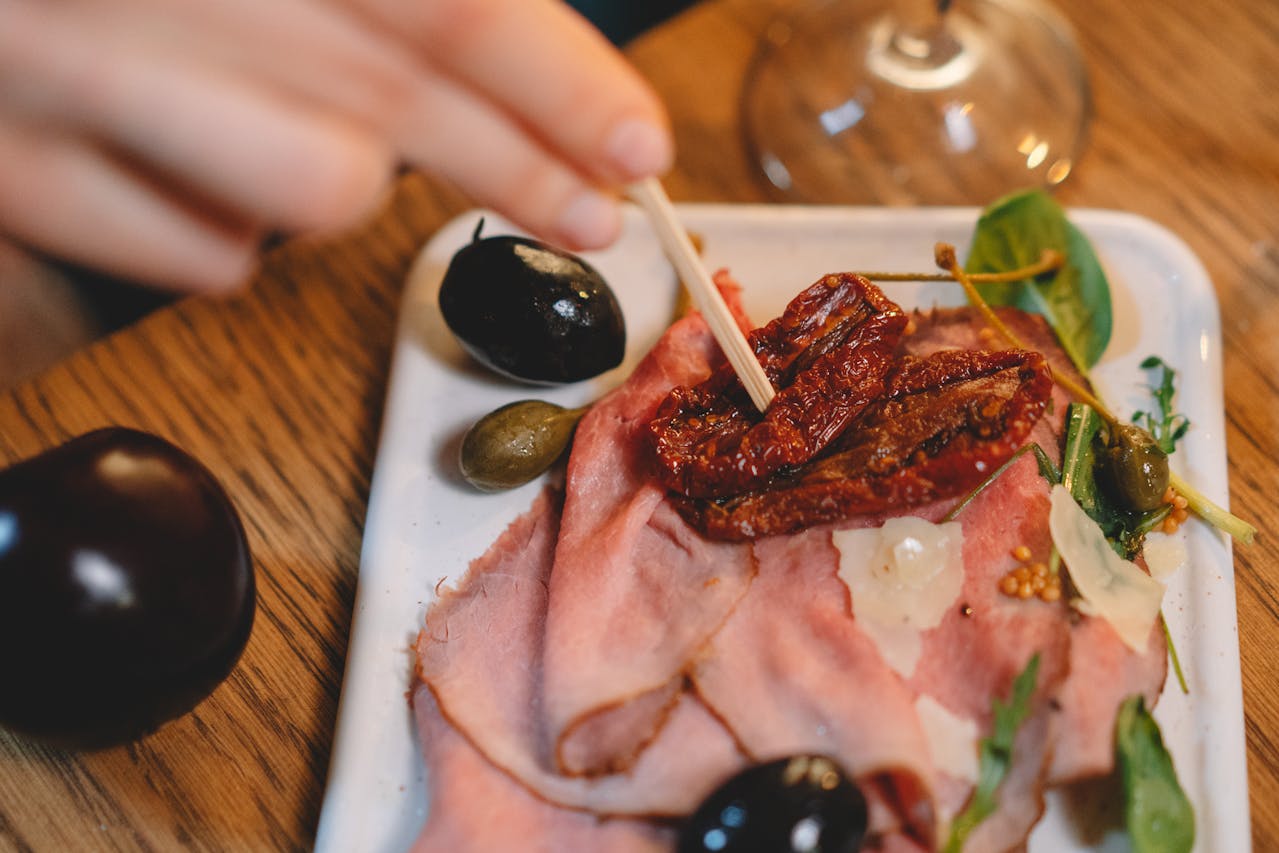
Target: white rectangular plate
(425, 524)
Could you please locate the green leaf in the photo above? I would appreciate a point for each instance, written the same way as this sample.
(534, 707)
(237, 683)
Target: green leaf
(1014, 232)
(1081, 475)
(996, 756)
(1157, 811)
(1166, 426)
(1079, 459)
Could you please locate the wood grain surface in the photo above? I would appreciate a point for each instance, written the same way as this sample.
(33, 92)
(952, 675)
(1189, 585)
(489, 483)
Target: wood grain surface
(279, 391)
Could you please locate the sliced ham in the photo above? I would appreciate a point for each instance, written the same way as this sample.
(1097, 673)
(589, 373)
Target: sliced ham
(634, 590)
(1104, 672)
(476, 808)
(480, 655)
(981, 646)
(602, 660)
(790, 672)
(1085, 670)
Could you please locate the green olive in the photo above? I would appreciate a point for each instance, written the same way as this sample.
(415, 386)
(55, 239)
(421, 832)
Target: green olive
(514, 444)
(1138, 467)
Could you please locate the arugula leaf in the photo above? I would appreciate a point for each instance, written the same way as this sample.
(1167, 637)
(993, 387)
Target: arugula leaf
(1047, 470)
(1013, 232)
(996, 756)
(1158, 813)
(1166, 426)
(1085, 440)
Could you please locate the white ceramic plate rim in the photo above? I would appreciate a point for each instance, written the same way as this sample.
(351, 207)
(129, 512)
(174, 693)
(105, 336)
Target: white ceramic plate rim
(423, 525)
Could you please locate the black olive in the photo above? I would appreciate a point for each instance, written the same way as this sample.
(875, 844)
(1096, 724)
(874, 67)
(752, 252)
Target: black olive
(128, 591)
(531, 311)
(1138, 468)
(801, 804)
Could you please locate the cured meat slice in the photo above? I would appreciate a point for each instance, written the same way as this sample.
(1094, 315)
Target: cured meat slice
(981, 646)
(476, 808)
(556, 676)
(634, 590)
(790, 672)
(1020, 798)
(1086, 670)
(1104, 672)
(480, 656)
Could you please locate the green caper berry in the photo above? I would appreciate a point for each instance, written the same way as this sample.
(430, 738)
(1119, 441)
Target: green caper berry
(1138, 467)
(516, 443)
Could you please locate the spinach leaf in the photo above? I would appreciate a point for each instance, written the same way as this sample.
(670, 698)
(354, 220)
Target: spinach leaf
(1158, 814)
(1166, 426)
(996, 756)
(1014, 232)
(1082, 475)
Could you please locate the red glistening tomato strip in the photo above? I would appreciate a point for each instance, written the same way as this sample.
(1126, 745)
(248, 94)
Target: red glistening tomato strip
(946, 422)
(827, 355)
(858, 425)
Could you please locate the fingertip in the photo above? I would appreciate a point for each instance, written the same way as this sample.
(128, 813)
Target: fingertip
(590, 220)
(225, 270)
(207, 260)
(341, 180)
(640, 148)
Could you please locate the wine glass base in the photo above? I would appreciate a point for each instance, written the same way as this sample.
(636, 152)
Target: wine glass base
(845, 104)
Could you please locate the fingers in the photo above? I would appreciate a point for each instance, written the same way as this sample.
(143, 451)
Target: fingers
(290, 115)
(550, 72)
(242, 147)
(70, 200)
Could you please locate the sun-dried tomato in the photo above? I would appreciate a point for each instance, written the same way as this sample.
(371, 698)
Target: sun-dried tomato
(828, 355)
(946, 421)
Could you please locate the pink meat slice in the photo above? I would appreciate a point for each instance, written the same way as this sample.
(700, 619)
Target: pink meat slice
(634, 590)
(476, 808)
(558, 668)
(1085, 669)
(1104, 672)
(1020, 802)
(984, 642)
(480, 656)
(790, 672)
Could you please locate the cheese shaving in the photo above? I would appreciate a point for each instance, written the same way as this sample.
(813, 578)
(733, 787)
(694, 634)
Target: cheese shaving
(1115, 589)
(902, 577)
(1165, 554)
(952, 740)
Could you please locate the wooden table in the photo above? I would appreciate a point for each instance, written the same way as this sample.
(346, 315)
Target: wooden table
(280, 392)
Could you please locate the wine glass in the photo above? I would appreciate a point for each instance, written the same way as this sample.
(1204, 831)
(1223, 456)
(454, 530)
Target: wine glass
(913, 102)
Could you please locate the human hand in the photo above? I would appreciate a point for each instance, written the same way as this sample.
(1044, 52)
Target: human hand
(160, 139)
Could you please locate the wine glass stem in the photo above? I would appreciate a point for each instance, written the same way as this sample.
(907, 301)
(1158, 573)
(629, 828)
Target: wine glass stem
(921, 16)
(920, 36)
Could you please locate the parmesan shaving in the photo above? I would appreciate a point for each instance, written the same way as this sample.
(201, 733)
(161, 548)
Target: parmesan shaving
(952, 740)
(1115, 589)
(1165, 554)
(902, 577)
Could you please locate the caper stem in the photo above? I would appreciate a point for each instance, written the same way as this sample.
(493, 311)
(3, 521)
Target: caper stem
(1050, 260)
(1196, 501)
(1172, 654)
(947, 259)
(1222, 519)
